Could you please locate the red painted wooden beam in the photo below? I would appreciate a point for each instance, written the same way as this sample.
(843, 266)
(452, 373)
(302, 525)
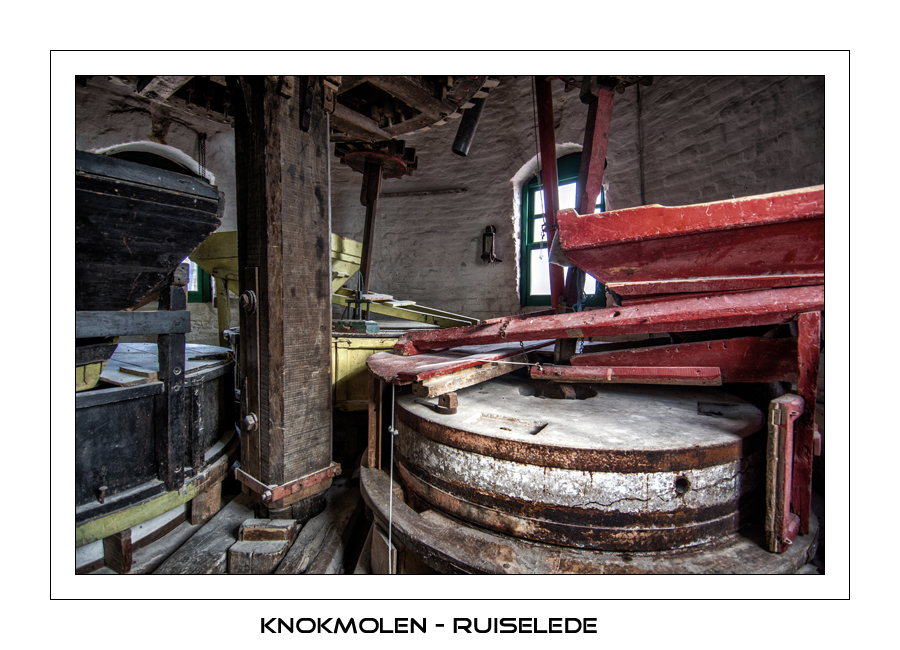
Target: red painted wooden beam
(688, 315)
(714, 284)
(550, 180)
(682, 376)
(772, 234)
(590, 173)
(809, 331)
(748, 359)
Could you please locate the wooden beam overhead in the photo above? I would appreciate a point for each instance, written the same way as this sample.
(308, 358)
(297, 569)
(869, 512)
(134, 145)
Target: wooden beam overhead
(160, 87)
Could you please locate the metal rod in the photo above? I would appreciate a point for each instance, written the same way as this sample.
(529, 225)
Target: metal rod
(467, 126)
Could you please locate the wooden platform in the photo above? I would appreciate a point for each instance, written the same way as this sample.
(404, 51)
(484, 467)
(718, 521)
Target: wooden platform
(134, 364)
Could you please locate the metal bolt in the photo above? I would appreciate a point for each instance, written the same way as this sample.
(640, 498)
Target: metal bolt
(248, 302)
(102, 493)
(251, 422)
(177, 370)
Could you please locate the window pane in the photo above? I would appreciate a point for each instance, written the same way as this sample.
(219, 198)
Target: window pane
(538, 202)
(567, 196)
(193, 284)
(540, 272)
(537, 232)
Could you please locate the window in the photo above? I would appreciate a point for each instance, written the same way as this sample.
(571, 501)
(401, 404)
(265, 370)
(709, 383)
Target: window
(535, 262)
(199, 285)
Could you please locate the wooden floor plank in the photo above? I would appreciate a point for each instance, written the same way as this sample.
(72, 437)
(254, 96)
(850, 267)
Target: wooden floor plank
(207, 551)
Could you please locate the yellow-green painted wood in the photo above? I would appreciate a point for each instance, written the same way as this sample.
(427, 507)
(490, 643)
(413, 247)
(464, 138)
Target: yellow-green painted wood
(138, 514)
(350, 380)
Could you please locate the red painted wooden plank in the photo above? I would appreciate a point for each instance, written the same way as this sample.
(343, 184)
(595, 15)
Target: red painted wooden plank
(593, 154)
(531, 314)
(795, 247)
(403, 369)
(809, 333)
(590, 173)
(657, 221)
(714, 285)
(549, 178)
(683, 376)
(745, 359)
(771, 234)
(690, 314)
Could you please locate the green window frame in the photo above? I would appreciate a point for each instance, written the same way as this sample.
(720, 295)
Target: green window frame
(534, 240)
(199, 284)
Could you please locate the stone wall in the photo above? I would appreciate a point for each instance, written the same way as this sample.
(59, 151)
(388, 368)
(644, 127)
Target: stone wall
(704, 139)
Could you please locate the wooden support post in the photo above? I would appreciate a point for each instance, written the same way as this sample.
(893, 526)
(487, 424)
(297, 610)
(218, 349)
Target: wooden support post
(808, 340)
(171, 418)
(371, 188)
(118, 551)
(590, 174)
(376, 390)
(283, 240)
(206, 503)
(549, 178)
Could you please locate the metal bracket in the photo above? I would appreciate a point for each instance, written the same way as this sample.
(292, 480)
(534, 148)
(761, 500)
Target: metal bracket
(488, 255)
(269, 493)
(781, 524)
(307, 91)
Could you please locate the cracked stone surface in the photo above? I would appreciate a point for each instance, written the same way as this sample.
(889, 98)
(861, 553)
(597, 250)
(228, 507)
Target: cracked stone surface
(617, 417)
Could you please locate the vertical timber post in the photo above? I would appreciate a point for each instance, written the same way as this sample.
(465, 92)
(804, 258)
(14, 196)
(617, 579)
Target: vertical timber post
(284, 250)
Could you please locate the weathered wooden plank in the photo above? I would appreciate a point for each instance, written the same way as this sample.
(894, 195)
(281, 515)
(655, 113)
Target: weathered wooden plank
(743, 359)
(322, 541)
(398, 369)
(443, 384)
(171, 416)
(373, 452)
(207, 550)
(674, 375)
(712, 285)
(268, 530)
(125, 170)
(161, 87)
(690, 314)
(90, 324)
(206, 503)
(808, 343)
(384, 553)
(101, 526)
(283, 232)
(778, 233)
(414, 92)
(118, 551)
(257, 557)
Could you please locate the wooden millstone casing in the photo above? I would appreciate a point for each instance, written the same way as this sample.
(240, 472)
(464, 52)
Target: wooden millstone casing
(134, 224)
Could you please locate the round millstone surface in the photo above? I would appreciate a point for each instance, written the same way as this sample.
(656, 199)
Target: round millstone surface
(635, 468)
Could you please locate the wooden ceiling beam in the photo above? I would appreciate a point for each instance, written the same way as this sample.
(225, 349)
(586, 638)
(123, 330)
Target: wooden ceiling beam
(160, 88)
